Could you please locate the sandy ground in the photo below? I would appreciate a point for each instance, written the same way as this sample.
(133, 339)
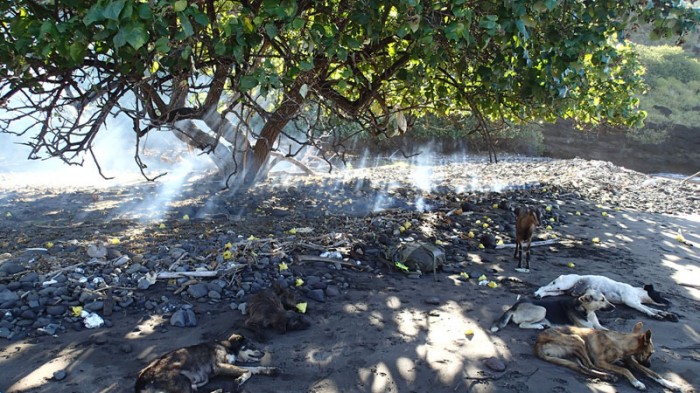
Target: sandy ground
(382, 336)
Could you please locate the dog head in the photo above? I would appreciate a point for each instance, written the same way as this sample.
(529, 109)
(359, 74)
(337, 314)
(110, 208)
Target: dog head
(594, 300)
(645, 347)
(559, 285)
(240, 349)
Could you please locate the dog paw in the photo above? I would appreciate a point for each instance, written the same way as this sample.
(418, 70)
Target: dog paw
(670, 316)
(639, 385)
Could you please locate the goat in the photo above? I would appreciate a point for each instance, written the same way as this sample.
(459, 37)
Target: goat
(525, 223)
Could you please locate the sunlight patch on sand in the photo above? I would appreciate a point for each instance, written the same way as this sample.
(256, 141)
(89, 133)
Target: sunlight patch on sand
(62, 361)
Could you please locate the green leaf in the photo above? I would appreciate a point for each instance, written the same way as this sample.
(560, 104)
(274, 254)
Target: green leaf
(186, 25)
(94, 14)
(77, 51)
(133, 34)
(306, 65)
(271, 30)
(248, 82)
(163, 45)
(145, 11)
(180, 5)
(113, 9)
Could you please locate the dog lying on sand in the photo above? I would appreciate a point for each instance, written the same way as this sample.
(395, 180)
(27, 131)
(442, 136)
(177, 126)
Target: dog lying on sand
(562, 310)
(273, 308)
(616, 292)
(187, 369)
(594, 352)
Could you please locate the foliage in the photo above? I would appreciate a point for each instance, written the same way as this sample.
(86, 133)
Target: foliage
(672, 97)
(69, 65)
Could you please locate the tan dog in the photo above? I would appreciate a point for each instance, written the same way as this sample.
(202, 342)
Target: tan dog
(594, 352)
(525, 223)
(187, 369)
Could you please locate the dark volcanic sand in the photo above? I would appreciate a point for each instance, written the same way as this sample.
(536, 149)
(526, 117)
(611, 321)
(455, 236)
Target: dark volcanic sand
(379, 334)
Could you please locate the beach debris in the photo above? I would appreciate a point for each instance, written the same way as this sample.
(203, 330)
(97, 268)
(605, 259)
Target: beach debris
(91, 320)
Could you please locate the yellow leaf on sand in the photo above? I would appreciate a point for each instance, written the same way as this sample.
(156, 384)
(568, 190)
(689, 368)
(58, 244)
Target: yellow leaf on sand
(227, 255)
(438, 242)
(283, 266)
(470, 235)
(495, 206)
(293, 231)
(492, 284)
(500, 242)
(251, 237)
(478, 222)
(161, 226)
(595, 240)
(549, 227)
(186, 217)
(485, 225)
(481, 245)
(482, 277)
(548, 208)
(114, 241)
(552, 219)
(605, 214)
(8, 214)
(469, 332)
(301, 307)
(578, 213)
(571, 264)
(407, 224)
(464, 275)
(298, 282)
(49, 244)
(228, 246)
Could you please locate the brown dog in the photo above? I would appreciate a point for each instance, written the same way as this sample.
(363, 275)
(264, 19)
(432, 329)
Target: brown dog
(187, 369)
(525, 223)
(594, 352)
(272, 308)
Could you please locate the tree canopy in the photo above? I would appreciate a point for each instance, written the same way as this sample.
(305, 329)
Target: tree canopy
(236, 77)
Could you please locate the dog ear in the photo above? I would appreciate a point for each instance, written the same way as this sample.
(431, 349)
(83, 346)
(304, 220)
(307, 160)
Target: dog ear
(578, 289)
(647, 336)
(637, 327)
(585, 298)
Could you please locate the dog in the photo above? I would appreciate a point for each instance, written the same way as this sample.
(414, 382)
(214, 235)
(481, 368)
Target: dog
(594, 352)
(525, 223)
(273, 308)
(187, 369)
(563, 310)
(616, 292)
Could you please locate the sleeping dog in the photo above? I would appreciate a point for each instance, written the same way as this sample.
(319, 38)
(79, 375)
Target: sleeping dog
(562, 310)
(616, 292)
(186, 369)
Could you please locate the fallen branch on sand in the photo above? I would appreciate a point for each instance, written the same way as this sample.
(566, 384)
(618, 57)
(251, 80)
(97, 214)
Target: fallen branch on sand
(196, 273)
(534, 244)
(314, 258)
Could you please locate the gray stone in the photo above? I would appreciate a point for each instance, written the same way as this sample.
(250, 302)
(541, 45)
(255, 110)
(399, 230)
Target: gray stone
(97, 305)
(495, 364)
(143, 283)
(198, 290)
(30, 277)
(183, 318)
(56, 310)
(28, 314)
(433, 300)
(97, 250)
(121, 261)
(8, 296)
(5, 332)
(11, 267)
(59, 375)
(49, 329)
(332, 291)
(317, 295)
(214, 295)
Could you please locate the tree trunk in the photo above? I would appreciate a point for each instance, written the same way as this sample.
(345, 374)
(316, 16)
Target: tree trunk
(271, 131)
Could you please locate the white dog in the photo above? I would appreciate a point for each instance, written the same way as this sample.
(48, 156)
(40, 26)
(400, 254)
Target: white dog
(614, 291)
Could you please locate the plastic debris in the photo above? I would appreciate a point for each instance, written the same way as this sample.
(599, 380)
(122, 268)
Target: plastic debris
(332, 254)
(91, 320)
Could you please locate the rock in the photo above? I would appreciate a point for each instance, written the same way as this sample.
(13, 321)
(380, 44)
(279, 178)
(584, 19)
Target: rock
(495, 364)
(97, 305)
(49, 329)
(183, 318)
(56, 310)
(198, 290)
(59, 375)
(30, 277)
(433, 300)
(97, 250)
(143, 283)
(332, 291)
(8, 296)
(214, 295)
(5, 332)
(121, 261)
(317, 295)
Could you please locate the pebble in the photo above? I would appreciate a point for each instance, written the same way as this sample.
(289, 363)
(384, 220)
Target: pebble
(317, 295)
(495, 364)
(433, 300)
(198, 290)
(56, 310)
(183, 318)
(59, 375)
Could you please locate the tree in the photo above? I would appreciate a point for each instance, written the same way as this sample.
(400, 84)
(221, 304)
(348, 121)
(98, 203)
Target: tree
(236, 78)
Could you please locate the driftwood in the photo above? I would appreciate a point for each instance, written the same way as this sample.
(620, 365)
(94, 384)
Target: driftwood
(196, 273)
(534, 244)
(696, 174)
(314, 258)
